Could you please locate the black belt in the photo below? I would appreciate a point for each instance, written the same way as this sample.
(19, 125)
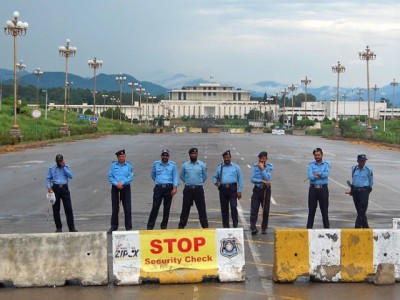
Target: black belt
(228, 185)
(193, 186)
(318, 186)
(259, 187)
(360, 189)
(165, 185)
(60, 185)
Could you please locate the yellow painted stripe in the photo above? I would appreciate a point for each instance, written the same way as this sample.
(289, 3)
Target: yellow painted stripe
(356, 254)
(291, 254)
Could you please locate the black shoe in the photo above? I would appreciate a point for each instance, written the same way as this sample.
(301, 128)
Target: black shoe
(110, 231)
(73, 230)
(264, 231)
(59, 230)
(254, 232)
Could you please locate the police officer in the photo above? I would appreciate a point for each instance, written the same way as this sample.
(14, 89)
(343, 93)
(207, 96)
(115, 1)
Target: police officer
(121, 176)
(261, 177)
(362, 181)
(165, 175)
(229, 180)
(193, 174)
(318, 174)
(57, 183)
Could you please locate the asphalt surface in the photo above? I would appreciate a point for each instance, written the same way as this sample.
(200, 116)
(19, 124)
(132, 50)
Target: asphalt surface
(24, 208)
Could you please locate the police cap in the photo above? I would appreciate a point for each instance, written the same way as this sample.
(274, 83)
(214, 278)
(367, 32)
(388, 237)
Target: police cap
(193, 150)
(120, 152)
(361, 157)
(227, 152)
(263, 154)
(165, 151)
(59, 157)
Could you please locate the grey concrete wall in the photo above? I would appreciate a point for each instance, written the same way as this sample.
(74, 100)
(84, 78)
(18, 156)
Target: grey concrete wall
(50, 259)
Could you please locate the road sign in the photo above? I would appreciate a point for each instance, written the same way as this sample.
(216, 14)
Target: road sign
(36, 114)
(81, 117)
(92, 119)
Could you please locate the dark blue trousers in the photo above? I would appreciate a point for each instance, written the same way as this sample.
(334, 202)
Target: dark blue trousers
(315, 196)
(123, 195)
(159, 194)
(62, 193)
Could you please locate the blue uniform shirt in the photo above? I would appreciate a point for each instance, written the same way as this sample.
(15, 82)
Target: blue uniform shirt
(121, 173)
(362, 177)
(165, 173)
(193, 173)
(231, 173)
(257, 175)
(324, 169)
(58, 175)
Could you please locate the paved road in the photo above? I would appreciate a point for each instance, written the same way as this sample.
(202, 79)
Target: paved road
(24, 208)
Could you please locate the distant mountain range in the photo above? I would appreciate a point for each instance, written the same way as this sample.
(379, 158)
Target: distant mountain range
(107, 82)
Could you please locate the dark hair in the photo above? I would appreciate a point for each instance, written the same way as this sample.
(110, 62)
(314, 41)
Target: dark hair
(317, 150)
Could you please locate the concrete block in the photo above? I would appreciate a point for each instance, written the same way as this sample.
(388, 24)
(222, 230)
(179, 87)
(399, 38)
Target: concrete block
(52, 259)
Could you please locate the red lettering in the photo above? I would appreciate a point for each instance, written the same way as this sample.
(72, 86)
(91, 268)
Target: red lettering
(198, 242)
(188, 245)
(157, 248)
(170, 244)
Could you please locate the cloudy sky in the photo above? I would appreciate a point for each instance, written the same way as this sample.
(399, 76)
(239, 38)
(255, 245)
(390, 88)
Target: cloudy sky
(243, 41)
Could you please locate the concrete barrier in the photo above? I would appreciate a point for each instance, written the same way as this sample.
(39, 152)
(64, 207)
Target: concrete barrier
(334, 255)
(213, 130)
(195, 130)
(178, 256)
(236, 130)
(256, 130)
(52, 259)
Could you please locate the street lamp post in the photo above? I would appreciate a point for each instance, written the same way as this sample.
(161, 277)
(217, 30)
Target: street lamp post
(152, 101)
(94, 64)
(344, 96)
(375, 88)
(132, 85)
(359, 93)
(15, 28)
(69, 84)
(112, 107)
(306, 81)
(66, 51)
(104, 102)
(284, 92)
(140, 90)
(367, 55)
(120, 79)
(38, 73)
(292, 88)
(20, 66)
(45, 109)
(337, 69)
(394, 84)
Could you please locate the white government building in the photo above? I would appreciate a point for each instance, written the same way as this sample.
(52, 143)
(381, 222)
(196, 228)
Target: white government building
(220, 101)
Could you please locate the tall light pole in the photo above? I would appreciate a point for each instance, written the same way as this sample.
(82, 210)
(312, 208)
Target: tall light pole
(38, 73)
(367, 55)
(112, 107)
(94, 64)
(141, 90)
(359, 93)
(20, 66)
(66, 51)
(337, 69)
(344, 96)
(45, 110)
(306, 81)
(393, 84)
(152, 101)
(15, 28)
(132, 85)
(284, 92)
(292, 88)
(104, 101)
(120, 79)
(375, 88)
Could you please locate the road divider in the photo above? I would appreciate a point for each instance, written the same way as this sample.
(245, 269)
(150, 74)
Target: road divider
(334, 255)
(53, 259)
(178, 256)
